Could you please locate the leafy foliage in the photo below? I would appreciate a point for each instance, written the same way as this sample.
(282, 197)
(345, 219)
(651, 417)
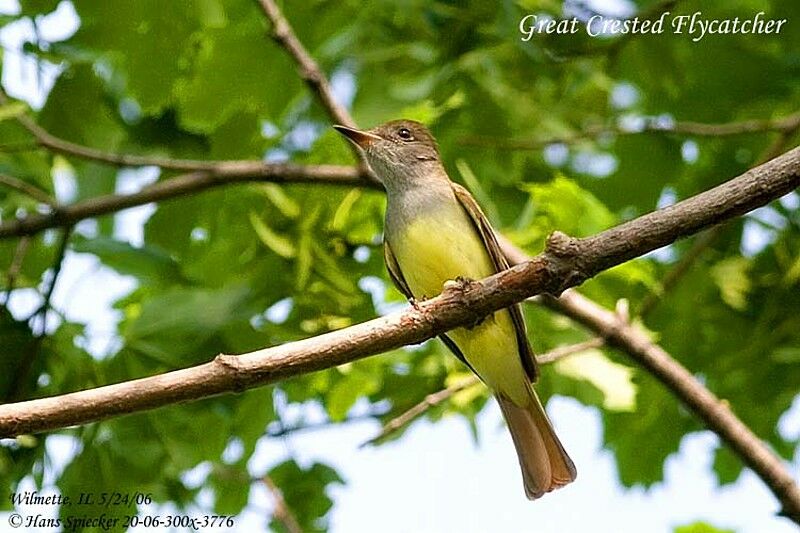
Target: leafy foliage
(247, 266)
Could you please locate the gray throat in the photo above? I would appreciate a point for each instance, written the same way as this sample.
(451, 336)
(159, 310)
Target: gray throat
(410, 199)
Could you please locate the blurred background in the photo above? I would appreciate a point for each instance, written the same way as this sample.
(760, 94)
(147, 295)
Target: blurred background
(561, 132)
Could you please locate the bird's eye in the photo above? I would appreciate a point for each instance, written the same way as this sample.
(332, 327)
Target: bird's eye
(405, 134)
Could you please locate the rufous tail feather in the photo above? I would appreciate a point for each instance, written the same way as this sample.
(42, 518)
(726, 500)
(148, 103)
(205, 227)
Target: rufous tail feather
(544, 462)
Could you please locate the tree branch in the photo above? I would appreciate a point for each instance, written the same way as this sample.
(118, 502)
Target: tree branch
(224, 173)
(23, 371)
(310, 72)
(282, 511)
(277, 429)
(785, 125)
(715, 413)
(435, 398)
(308, 69)
(711, 410)
(566, 262)
(707, 239)
(27, 189)
(45, 139)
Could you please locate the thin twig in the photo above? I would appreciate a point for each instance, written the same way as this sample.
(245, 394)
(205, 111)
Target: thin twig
(431, 400)
(435, 398)
(308, 69)
(280, 430)
(58, 263)
(563, 351)
(780, 143)
(55, 144)
(225, 174)
(784, 124)
(23, 370)
(27, 189)
(312, 74)
(282, 511)
(15, 267)
(58, 145)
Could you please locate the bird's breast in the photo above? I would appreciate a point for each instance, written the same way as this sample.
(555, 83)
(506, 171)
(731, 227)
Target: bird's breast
(437, 246)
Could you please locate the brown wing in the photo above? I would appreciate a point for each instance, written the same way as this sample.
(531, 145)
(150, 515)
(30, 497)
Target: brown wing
(400, 282)
(500, 263)
(394, 271)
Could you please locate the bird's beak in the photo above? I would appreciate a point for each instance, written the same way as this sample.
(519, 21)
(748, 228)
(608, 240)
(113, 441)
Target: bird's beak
(362, 139)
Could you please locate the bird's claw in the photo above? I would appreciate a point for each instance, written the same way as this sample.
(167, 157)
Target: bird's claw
(415, 302)
(460, 283)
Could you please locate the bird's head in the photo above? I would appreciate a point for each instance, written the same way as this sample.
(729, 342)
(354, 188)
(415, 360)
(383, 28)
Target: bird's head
(398, 151)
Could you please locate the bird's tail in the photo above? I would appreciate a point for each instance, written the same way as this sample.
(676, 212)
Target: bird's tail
(545, 464)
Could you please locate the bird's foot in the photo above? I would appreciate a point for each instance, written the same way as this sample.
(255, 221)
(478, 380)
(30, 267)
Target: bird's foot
(459, 284)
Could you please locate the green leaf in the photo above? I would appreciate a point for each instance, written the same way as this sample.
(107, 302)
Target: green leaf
(562, 204)
(148, 263)
(37, 7)
(239, 137)
(172, 325)
(184, 432)
(132, 36)
(304, 492)
(265, 80)
(275, 242)
(643, 439)
(254, 411)
(12, 110)
(727, 466)
(231, 486)
(613, 379)
(77, 109)
(701, 527)
(282, 201)
(352, 386)
(93, 474)
(18, 342)
(731, 277)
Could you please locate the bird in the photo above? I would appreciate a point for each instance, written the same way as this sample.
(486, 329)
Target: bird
(434, 234)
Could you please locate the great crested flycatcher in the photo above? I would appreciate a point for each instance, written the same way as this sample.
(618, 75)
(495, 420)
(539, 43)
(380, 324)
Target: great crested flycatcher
(435, 232)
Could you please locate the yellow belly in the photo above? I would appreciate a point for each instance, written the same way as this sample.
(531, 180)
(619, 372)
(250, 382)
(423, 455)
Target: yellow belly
(432, 250)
